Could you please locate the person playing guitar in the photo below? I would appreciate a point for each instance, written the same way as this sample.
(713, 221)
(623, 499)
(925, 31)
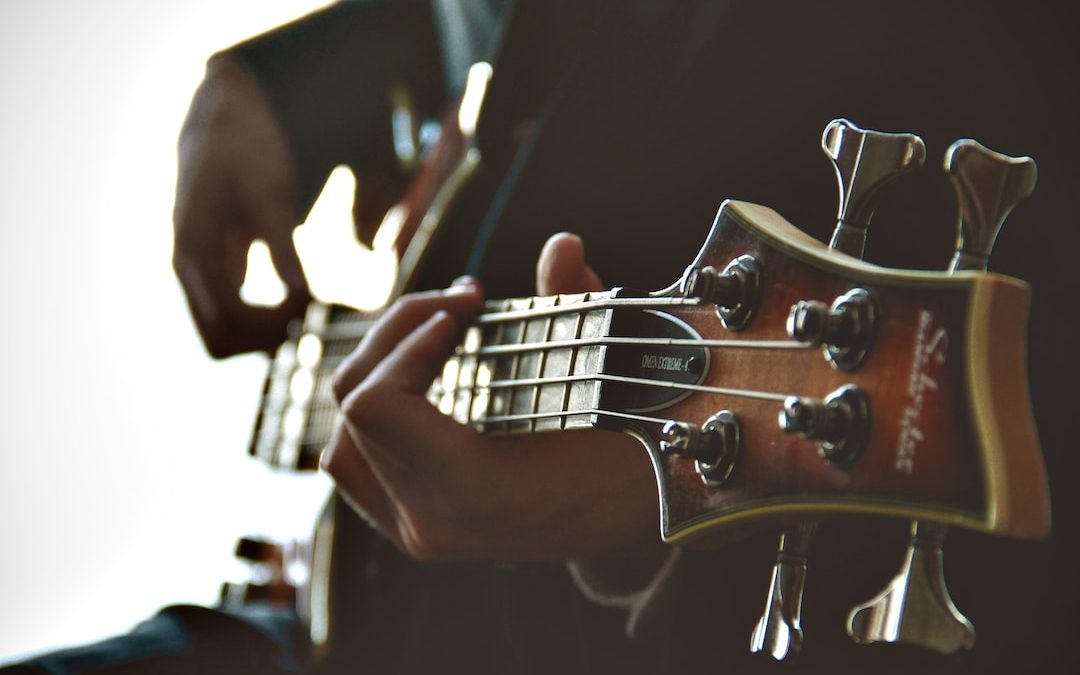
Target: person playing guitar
(442, 493)
(626, 124)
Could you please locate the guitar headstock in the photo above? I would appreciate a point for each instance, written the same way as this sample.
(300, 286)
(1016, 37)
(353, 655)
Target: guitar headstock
(857, 389)
(804, 383)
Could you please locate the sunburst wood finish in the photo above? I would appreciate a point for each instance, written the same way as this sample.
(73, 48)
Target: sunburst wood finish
(952, 435)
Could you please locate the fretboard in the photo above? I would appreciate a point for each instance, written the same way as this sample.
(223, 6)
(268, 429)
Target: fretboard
(527, 365)
(297, 412)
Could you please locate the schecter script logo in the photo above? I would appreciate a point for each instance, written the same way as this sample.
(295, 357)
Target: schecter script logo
(930, 347)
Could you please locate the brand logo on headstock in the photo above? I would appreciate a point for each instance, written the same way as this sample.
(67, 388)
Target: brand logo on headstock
(671, 363)
(930, 346)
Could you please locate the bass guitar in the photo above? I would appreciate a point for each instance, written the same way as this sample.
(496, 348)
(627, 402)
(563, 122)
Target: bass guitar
(780, 381)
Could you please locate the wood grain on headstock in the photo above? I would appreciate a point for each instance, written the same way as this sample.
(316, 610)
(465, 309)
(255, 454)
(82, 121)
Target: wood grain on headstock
(952, 434)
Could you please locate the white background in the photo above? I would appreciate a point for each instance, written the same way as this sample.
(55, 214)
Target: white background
(124, 479)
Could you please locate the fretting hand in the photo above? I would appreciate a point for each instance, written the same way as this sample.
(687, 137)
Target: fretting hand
(440, 490)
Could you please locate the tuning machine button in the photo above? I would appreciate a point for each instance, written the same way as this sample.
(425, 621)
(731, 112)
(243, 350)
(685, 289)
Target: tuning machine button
(736, 291)
(915, 608)
(779, 632)
(840, 423)
(845, 329)
(714, 446)
(988, 185)
(865, 161)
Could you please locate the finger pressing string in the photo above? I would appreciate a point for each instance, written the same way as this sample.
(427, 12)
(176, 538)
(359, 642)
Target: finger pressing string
(399, 322)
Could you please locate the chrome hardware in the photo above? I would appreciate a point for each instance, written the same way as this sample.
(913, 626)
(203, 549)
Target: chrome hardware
(915, 608)
(680, 438)
(736, 291)
(988, 185)
(864, 161)
(724, 426)
(840, 423)
(779, 631)
(846, 329)
(714, 446)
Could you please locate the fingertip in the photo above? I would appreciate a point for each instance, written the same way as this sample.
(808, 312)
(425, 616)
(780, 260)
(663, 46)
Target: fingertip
(563, 246)
(443, 321)
(561, 267)
(465, 280)
(464, 286)
(467, 297)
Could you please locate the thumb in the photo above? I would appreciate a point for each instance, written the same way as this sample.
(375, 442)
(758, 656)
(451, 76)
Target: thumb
(562, 269)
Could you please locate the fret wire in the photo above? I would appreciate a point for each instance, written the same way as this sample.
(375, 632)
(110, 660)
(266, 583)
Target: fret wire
(491, 371)
(500, 336)
(516, 368)
(540, 358)
(541, 362)
(472, 380)
(625, 379)
(587, 305)
(579, 321)
(655, 342)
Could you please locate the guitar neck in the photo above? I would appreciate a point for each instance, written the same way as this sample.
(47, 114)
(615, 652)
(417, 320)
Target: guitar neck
(297, 412)
(528, 364)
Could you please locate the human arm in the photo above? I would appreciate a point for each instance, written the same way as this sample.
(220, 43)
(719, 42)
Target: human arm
(271, 119)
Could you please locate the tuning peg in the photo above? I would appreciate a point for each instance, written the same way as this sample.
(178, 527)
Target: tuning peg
(779, 632)
(988, 185)
(915, 608)
(864, 161)
(714, 446)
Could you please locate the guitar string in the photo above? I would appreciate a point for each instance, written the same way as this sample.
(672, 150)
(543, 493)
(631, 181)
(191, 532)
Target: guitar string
(622, 379)
(355, 329)
(332, 362)
(323, 402)
(328, 363)
(492, 350)
(502, 316)
(334, 333)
